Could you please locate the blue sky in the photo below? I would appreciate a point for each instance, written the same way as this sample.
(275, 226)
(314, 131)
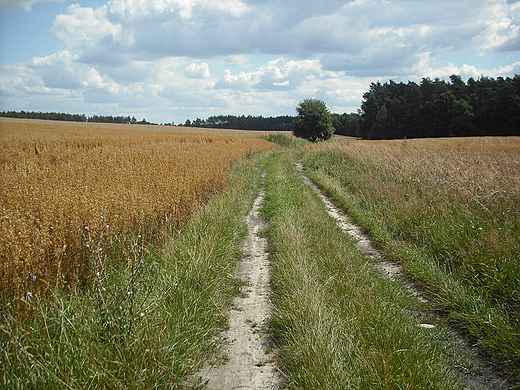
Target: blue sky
(170, 60)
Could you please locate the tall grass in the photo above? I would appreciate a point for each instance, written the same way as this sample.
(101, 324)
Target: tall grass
(69, 194)
(284, 140)
(338, 325)
(149, 322)
(450, 211)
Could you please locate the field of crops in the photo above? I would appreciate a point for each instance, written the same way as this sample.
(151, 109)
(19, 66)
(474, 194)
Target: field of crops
(70, 193)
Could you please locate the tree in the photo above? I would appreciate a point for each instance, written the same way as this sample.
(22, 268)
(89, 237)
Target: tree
(378, 129)
(314, 121)
(346, 124)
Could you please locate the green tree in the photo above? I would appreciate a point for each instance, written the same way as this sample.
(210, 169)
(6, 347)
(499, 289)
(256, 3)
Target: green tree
(379, 128)
(314, 121)
(346, 124)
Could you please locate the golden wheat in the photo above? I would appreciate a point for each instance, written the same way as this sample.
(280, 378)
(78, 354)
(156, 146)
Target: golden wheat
(69, 192)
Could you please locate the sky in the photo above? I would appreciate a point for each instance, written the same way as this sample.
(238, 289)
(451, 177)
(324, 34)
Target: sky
(172, 60)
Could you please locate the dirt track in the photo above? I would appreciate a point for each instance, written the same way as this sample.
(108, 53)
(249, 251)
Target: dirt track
(249, 365)
(486, 377)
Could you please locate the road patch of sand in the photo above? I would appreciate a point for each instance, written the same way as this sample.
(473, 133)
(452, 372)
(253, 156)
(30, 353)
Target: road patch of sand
(249, 365)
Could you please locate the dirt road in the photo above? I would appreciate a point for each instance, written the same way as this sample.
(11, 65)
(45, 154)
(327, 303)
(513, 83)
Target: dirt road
(249, 365)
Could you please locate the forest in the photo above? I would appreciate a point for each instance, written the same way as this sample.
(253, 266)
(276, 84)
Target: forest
(437, 108)
(250, 122)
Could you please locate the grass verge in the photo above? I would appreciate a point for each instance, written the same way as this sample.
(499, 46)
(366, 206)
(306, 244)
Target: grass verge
(148, 324)
(440, 215)
(338, 324)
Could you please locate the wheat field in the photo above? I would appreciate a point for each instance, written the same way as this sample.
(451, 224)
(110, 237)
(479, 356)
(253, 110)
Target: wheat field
(70, 194)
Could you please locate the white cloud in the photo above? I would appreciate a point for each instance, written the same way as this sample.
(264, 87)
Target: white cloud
(276, 74)
(381, 37)
(241, 81)
(131, 10)
(502, 32)
(198, 71)
(361, 38)
(445, 69)
(239, 59)
(62, 70)
(93, 34)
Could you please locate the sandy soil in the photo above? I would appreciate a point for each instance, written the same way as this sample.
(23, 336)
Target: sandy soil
(249, 365)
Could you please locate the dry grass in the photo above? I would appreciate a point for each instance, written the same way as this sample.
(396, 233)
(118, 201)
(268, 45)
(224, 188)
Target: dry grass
(69, 193)
(460, 196)
(483, 168)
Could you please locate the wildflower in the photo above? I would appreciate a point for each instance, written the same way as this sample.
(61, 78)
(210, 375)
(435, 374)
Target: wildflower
(98, 274)
(103, 289)
(87, 228)
(142, 315)
(33, 278)
(129, 292)
(102, 217)
(29, 294)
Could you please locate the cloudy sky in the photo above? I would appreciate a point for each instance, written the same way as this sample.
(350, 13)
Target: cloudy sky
(169, 60)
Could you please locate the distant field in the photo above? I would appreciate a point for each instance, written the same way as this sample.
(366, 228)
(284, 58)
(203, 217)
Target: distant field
(155, 128)
(70, 190)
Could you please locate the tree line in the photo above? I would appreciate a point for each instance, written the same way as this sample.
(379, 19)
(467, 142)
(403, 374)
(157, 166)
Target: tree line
(53, 116)
(61, 116)
(278, 123)
(344, 124)
(438, 108)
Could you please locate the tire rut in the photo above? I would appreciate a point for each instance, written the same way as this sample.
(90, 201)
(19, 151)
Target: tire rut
(249, 365)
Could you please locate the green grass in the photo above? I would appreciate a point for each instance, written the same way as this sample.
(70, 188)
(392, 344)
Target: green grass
(148, 324)
(338, 324)
(463, 251)
(284, 140)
